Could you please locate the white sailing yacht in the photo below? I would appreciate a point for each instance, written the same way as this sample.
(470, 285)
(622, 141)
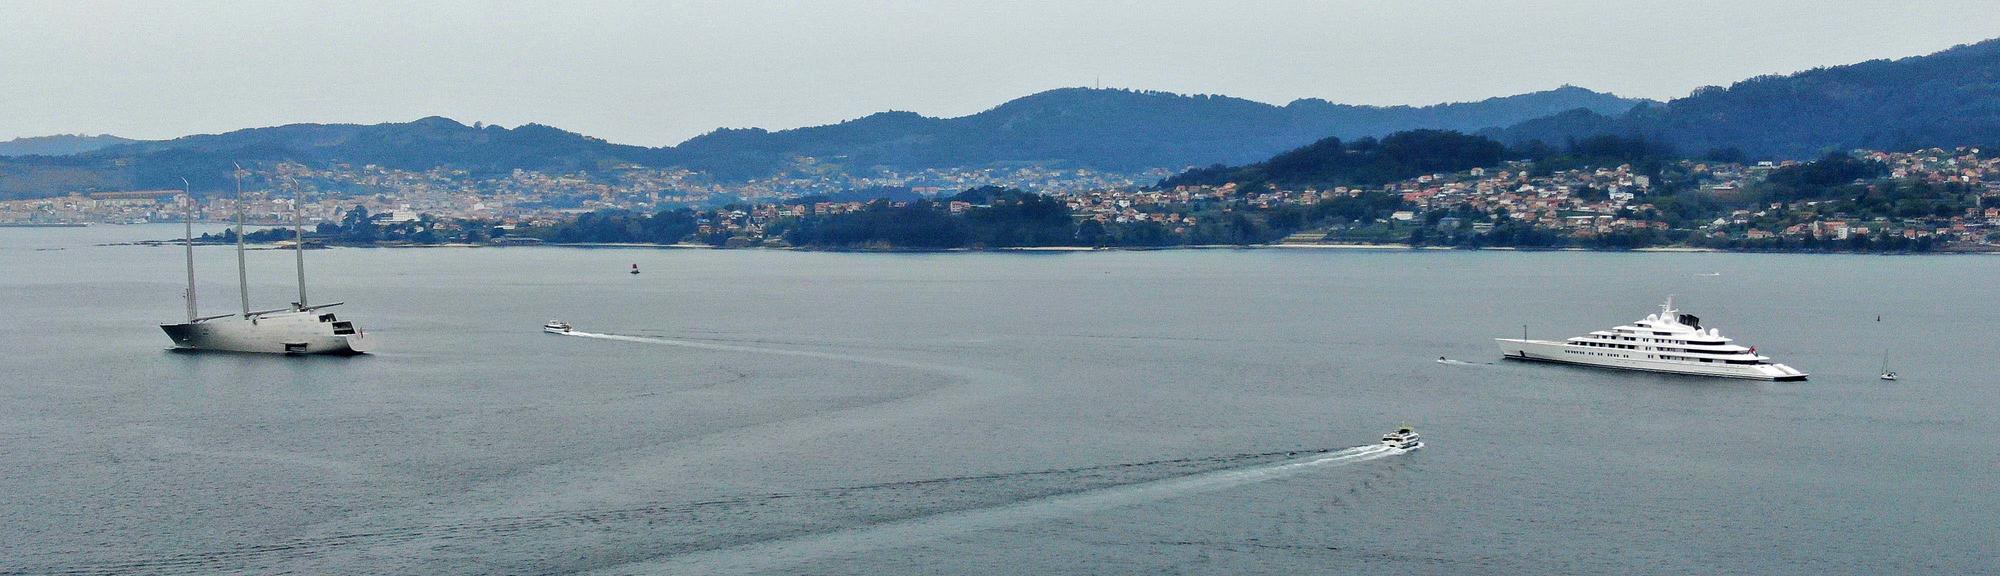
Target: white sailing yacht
(297, 329)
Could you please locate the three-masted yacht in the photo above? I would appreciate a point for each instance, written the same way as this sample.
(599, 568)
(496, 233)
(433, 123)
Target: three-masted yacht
(297, 329)
(1669, 342)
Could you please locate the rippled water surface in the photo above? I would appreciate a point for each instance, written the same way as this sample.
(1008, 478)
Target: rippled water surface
(1113, 412)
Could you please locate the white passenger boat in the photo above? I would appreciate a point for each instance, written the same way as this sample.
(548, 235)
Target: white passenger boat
(556, 327)
(1402, 439)
(1668, 342)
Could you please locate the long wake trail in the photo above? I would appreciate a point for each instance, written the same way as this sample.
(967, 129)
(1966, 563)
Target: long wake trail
(779, 552)
(763, 350)
(776, 555)
(498, 533)
(975, 387)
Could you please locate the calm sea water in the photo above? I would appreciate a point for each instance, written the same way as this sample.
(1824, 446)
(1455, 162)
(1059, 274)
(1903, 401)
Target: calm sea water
(1123, 412)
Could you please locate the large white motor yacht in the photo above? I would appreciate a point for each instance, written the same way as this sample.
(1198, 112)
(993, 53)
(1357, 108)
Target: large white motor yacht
(1665, 342)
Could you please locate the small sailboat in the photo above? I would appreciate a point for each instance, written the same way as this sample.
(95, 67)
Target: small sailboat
(635, 268)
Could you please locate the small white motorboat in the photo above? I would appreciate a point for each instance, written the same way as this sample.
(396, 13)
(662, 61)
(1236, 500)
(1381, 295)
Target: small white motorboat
(556, 327)
(1402, 439)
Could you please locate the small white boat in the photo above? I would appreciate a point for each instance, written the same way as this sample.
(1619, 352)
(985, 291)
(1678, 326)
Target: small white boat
(556, 327)
(1890, 376)
(1402, 439)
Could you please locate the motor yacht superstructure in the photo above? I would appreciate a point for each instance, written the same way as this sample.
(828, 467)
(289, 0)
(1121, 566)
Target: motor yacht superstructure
(1403, 439)
(1668, 341)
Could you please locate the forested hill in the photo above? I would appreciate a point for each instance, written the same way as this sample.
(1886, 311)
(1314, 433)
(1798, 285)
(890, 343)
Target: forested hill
(1946, 99)
(420, 144)
(1110, 129)
(1363, 162)
(207, 159)
(58, 145)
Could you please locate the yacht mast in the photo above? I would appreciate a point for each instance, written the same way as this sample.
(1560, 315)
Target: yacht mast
(1885, 349)
(242, 277)
(188, 242)
(299, 240)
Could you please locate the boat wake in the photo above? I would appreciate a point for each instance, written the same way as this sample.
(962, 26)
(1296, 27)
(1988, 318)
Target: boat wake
(700, 345)
(850, 524)
(756, 532)
(975, 385)
(776, 555)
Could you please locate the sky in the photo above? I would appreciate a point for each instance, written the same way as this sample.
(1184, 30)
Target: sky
(657, 73)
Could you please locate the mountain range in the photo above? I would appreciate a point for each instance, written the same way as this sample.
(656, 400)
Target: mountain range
(1111, 130)
(1947, 99)
(207, 160)
(1950, 98)
(58, 145)
(1073, 127)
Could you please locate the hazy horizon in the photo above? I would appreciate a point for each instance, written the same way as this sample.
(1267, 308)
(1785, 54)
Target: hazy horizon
(658, 74)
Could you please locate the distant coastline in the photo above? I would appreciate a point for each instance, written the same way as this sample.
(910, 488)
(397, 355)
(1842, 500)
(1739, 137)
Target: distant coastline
(1061, 249)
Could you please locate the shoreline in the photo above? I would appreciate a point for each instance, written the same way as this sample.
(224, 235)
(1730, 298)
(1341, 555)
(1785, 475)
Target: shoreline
(1074, 249)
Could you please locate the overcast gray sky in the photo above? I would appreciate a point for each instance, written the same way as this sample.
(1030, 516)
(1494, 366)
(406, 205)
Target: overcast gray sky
(657, 73)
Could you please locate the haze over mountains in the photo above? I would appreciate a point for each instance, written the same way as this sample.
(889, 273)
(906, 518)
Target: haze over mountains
(58, 145)
(1075, 127)
(1950, 98)
(1112, 130)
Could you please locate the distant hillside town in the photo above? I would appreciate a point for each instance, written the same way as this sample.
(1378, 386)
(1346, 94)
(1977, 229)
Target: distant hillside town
(1924, 200)
(533, 196)
(1885, 155)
